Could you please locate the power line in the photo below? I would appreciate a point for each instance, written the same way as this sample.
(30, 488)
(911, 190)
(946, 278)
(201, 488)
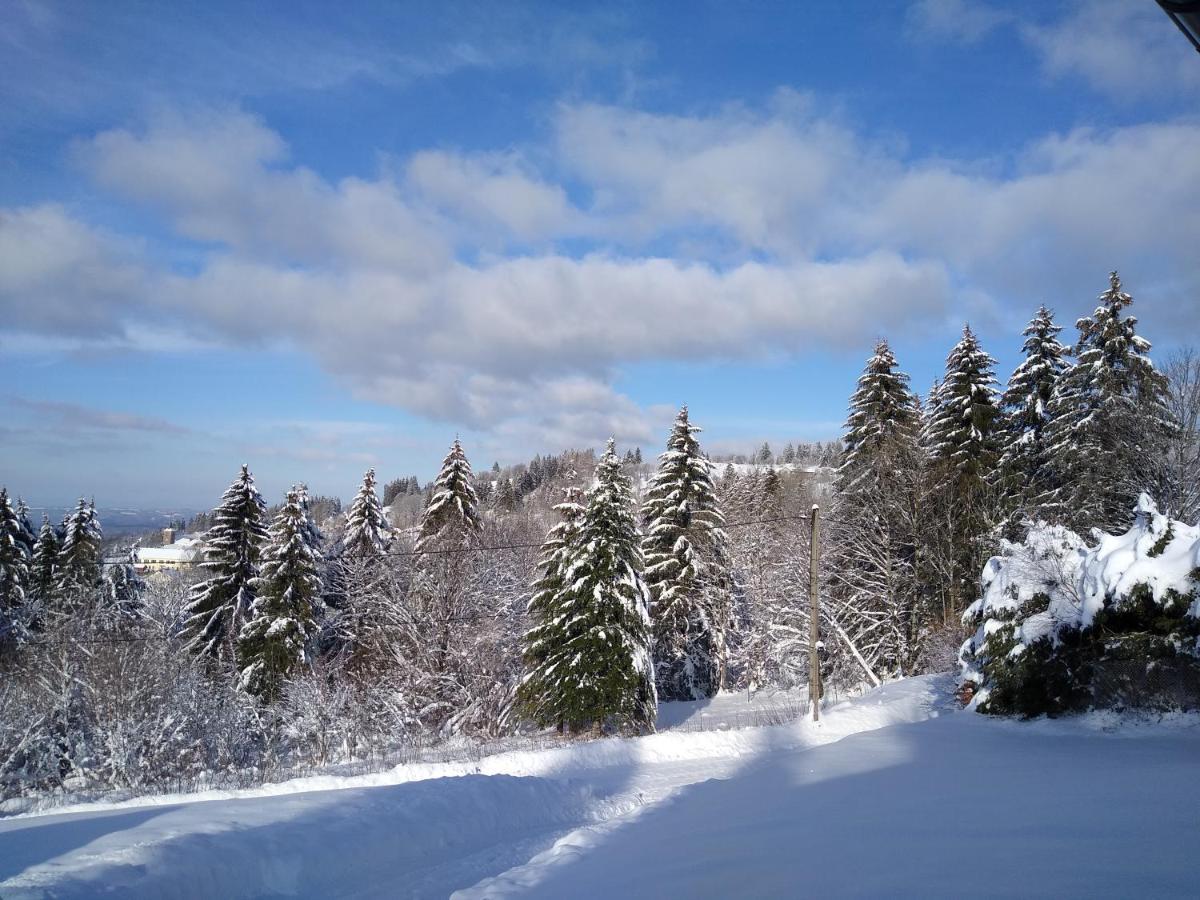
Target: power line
(406, 553)
(524, 546)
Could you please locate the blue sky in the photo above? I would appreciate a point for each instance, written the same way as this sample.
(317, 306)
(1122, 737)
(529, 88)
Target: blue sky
(316, 242)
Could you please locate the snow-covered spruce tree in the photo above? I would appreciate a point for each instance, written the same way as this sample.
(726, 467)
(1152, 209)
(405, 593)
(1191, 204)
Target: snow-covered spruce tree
(1025, 468)
(443, 585)
(28, 534)
(884, 417)
(452, 514)
(14, 572)
(276, 638)
(1110, 421)
(874, 588)
(355, 566)
(43, 573)
(121, 591)
(599, 669)
(79, 562)
(687, 570)
(540, 695)
(219, 606)
(367, 532)
(961, 442)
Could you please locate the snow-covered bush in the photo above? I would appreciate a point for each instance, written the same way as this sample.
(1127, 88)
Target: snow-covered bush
(1063, 626)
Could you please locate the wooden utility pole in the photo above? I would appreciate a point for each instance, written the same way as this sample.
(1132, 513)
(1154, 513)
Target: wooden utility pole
(814, 617)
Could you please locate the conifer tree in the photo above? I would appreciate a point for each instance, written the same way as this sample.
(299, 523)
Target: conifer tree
(276, 638)
(541, 695)
(367, 531)
(1025, 462)
(961, 436)
(873, 537)
(452, 514)
(28, 534)
(79, 562)
(14, 572)
(43, 572)
(883, 426)
(686, 569)
(1110, 422)
(121, 597)
(593, 665)
(443, 587)
(219, 606)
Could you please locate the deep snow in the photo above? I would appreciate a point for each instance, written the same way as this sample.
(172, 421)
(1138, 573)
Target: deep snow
(893, 794)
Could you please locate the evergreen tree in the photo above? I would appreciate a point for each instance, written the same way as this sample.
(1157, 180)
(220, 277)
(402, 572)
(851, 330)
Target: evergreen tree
(43, 572)
(1025, 462)
(452, 515)
(121, 597)
(14, 572)
(367, 531)
(592, 664)
(873, 560)
(770, 498)
(219, 606)
(961, 436)
(28, 534)
(540, 694)
(686, 570)
(79, 562)
(506, 495)
(276, 639)
(883, 426)
(1110, 422)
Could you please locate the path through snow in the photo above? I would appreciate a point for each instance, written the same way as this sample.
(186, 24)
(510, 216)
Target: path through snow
(914, 799)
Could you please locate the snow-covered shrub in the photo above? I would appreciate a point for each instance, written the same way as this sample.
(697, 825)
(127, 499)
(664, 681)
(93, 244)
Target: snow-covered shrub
(1063, 626)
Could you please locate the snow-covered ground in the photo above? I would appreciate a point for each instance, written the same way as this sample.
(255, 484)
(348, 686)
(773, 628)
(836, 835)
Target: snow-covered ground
(892, 794)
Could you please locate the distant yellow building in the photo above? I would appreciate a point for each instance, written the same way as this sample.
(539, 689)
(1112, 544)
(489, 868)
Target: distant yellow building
(178, 552)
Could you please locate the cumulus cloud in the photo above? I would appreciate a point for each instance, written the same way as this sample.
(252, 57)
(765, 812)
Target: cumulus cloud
(766, 178)
(826, 238)
(59, 276)
(222, 177)
(492, 192)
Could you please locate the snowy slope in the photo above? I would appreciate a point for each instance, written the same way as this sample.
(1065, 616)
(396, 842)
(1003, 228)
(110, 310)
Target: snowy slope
(897, 793)
(958, 806)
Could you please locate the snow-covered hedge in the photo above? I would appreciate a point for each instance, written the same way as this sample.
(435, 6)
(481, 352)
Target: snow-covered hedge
(1063, 626)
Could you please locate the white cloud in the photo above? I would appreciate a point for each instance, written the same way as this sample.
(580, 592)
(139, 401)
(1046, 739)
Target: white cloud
(222, 178)
(492, 192)
(826, 240)
(58, 276)
(1127, 49)
(766, 178)
(963, 21)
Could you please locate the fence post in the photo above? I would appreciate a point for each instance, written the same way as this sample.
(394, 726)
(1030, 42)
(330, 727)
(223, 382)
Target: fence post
(814, 617)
